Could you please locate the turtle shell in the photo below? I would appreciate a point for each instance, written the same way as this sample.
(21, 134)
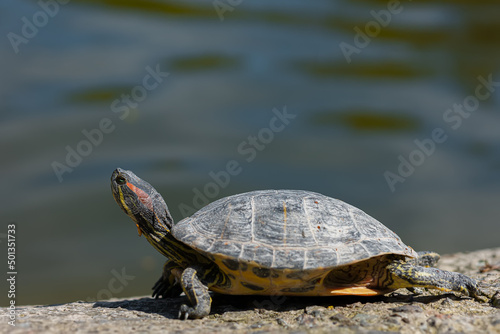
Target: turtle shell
(289, 230)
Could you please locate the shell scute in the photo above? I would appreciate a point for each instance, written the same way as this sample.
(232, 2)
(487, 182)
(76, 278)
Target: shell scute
(287, 229)
(289, 258)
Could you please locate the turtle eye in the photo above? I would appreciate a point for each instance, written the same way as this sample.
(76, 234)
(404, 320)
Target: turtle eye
(120, 180)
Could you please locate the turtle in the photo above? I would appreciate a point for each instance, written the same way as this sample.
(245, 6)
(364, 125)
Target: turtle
(276, 242)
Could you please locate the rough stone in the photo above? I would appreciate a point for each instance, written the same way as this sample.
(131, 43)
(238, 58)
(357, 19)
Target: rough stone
(431, 311)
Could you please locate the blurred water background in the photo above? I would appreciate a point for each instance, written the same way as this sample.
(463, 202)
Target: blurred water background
(357, 84)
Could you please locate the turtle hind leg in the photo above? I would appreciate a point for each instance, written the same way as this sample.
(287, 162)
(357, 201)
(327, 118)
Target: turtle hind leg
(168, 285)
(407, 275)
(198, 296)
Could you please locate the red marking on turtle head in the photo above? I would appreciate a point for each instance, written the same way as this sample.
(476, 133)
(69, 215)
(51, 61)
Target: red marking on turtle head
(142, 196)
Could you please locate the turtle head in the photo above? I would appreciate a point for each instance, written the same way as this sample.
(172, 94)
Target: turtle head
(141, 202)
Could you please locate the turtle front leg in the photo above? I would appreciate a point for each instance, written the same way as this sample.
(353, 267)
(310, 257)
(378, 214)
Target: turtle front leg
(198, 296)
(406, 275)
(168, 285)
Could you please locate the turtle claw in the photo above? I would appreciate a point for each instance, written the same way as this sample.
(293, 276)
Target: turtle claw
(471, 289)
(184, 312)
(482, 295)
(166, 289)
(479, 296)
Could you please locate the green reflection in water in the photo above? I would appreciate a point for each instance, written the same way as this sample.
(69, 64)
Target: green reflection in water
(97, 95)
(203, 63)
(420, 37)
(364, 120)
(366, 70)
(164, 7)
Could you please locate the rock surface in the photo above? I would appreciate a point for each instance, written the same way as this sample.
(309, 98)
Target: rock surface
(400, 312)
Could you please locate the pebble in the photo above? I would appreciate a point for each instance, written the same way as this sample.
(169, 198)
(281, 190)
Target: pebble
(407, 308)
(282, 322)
